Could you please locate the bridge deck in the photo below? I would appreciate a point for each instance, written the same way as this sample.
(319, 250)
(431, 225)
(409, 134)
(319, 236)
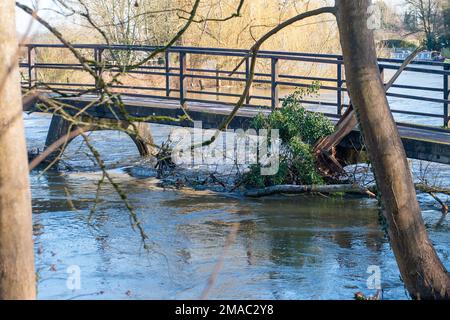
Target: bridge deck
(422, 143)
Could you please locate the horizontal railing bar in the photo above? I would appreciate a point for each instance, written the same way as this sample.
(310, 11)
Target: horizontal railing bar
(78, 67)
(197, 50)
(225, 103)
(321, 103)
(401, 86)
(414, 113)
(258, 106)
(139, 95)
(305, 85)
(419, 70)
(138, 88)
(257, 97)
(214, 93)
(423, 127)
(307, 78)
(56, 84)
(324, 61)
(254, 97)
(65, 84)
(226, 94)
(404, 96)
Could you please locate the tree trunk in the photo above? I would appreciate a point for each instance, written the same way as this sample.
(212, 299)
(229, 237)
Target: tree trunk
(423, 273)
(17, 275)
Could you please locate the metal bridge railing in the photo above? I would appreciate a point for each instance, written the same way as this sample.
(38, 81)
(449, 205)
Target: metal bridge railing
(173, 67)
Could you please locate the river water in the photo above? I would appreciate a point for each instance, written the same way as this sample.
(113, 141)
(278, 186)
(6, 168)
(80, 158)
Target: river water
(285, 247)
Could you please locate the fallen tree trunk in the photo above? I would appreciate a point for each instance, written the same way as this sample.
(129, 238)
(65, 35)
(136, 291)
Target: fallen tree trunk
(432, 189)
(328, 189)
(305, 189)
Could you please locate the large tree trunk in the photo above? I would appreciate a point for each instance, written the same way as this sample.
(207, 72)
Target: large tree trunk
(423, 273)
(17, 275)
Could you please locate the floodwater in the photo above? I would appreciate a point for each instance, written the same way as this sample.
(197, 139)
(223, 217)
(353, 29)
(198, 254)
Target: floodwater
(293, 247)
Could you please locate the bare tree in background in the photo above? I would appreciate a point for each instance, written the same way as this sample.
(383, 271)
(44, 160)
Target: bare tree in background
(428, 14)
(17, 275)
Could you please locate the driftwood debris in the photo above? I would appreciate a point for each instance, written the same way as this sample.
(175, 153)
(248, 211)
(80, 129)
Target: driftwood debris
(339, 188)
(308, 189)
(432, 191)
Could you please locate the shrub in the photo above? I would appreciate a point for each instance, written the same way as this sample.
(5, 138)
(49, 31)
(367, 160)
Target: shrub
(299, 130)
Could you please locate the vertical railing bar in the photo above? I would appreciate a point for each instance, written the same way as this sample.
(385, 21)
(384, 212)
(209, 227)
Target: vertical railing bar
(217, 84)
(100, 64)
(97, 69)
(30, 68)
(339, 88)
(274, 83)
(167, 65)
(247, 76)
(446, 96)
(382, 74)
(183, 87)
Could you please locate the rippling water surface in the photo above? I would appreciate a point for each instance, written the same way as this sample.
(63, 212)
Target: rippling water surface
(285, 247)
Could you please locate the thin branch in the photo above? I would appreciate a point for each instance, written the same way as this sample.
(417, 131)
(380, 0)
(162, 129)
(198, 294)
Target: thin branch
(253, 52)
(231, 16)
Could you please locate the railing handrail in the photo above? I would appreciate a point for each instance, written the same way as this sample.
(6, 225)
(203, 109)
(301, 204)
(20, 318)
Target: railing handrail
(274, 78)
(234, 51)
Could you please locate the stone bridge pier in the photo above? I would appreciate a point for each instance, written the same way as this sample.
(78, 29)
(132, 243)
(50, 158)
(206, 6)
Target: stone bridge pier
(64, 131)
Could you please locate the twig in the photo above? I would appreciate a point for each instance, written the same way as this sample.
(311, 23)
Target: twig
(444, 206)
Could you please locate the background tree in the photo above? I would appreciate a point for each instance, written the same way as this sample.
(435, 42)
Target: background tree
(428, 16)
(445, 37)
(389, 17)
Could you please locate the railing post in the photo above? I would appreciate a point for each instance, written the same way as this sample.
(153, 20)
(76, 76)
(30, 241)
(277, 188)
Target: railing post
(446, 96)
(217, 84)
(167, 64)
(100, 60)
(96, 60)
(274, 84)
(183, 84)
(30, 67)
(98, 53)
(96, 63)
(339, 88)
(247, 76)
(382, 73)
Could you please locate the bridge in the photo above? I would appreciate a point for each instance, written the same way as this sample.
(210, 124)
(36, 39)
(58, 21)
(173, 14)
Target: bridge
(200, 80)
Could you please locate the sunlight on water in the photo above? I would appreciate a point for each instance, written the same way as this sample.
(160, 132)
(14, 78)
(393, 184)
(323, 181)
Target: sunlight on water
(286, 247)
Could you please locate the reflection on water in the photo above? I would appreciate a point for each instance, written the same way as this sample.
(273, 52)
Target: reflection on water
(286, 247)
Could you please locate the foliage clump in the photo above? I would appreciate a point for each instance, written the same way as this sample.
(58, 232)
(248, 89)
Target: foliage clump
(299, 130)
